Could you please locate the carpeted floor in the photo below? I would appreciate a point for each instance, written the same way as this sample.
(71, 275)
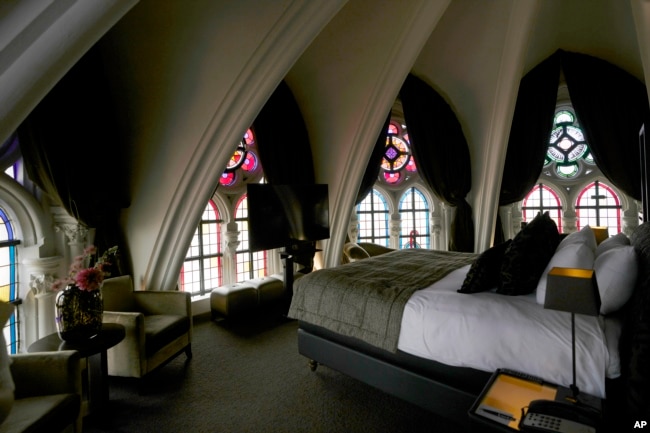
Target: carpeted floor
(249, 377)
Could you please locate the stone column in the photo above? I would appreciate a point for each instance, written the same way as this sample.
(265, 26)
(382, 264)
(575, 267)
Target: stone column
(40, 311)
(394, 227)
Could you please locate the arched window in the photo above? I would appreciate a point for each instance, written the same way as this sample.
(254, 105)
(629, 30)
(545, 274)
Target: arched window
(372, 213)
(599, 205)
(398, 164)
(414, 213)
(568, 153)
(542, 199)
(8, 278)
(249, 264)
(243, 163)
(202, 269)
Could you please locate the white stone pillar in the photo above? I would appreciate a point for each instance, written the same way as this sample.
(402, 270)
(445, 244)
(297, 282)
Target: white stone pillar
(394, 227)
(39, 313)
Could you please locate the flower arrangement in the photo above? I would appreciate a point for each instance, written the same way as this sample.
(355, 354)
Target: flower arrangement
(88, 278)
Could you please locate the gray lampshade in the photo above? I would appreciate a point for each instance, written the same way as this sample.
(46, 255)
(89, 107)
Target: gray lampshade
(573, 290)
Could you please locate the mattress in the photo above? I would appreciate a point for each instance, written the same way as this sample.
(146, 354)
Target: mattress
(487, 331)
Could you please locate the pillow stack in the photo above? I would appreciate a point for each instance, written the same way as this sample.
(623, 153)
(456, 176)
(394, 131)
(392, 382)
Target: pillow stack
(575, 251)
(527, 256)
(515, 266)
(616, 271)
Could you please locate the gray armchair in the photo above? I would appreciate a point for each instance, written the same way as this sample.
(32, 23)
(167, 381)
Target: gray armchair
(48, 393)
(158, 326)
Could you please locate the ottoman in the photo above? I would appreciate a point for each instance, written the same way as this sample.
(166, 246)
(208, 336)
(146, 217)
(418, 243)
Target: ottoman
(233, 299)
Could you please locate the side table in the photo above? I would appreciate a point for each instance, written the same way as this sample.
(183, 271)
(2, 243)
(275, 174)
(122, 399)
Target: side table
(93, 350)
(507, 396)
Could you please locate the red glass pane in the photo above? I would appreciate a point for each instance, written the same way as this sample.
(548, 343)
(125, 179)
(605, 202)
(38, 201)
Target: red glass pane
(250, 163)
(393, 129)
(411, 165)
(392, 178)
(227, 179)
(248, 137)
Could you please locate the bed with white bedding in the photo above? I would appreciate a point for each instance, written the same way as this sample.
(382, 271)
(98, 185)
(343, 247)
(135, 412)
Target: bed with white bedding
(449, 342)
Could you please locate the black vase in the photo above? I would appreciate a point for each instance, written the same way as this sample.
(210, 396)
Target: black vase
(79, 313)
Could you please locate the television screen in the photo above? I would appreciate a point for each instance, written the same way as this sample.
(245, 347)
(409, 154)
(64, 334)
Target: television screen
(280, 215)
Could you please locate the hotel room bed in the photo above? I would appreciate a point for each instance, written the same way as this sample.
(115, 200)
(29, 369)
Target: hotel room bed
(431, 345)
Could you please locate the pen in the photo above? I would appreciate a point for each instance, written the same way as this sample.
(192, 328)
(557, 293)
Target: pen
(500, 415)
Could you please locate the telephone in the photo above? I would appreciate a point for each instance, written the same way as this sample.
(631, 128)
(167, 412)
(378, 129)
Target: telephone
(558, 416)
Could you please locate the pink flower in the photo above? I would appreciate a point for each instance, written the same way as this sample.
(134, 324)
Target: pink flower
(89, 279)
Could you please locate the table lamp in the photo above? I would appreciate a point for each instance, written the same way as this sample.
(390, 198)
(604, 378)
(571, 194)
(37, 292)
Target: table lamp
(601, 233)
(575, 291)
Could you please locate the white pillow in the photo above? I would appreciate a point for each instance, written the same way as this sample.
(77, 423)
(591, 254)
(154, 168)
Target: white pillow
(618, 240)
(584, 236)
(616, 271)
(6, 381)
(572, 255)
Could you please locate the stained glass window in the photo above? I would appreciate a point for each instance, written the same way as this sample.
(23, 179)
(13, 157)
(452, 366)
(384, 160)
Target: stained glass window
(567, 147)
(249, 265)
(8, 278)
(598, 205)
(202, 269)
(542, 198)
(242, 163)
(372, 213)
(414, 213)
(398, 162)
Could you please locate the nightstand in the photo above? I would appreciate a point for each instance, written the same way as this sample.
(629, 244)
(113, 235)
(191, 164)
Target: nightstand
(505, 399)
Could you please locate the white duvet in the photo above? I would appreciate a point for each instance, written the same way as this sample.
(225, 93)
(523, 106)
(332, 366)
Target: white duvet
(487, 331)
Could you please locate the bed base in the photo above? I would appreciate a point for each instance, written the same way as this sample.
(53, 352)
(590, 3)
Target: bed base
(415, 387)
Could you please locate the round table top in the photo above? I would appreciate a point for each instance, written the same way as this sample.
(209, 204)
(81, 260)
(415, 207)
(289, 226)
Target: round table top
(109, 336)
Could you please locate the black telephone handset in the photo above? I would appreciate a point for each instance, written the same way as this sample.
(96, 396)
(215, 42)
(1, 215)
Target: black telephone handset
(557, 416)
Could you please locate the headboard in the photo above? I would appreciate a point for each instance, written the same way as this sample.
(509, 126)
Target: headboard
(635, 343)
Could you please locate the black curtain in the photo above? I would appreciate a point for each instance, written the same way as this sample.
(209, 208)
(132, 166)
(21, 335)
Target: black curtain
(282, 140)
(529, 134)
(611, 105)
(74, 149)
(374, 164)
(442, 155)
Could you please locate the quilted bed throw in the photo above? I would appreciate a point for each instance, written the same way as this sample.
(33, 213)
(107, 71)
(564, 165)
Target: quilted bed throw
(366, 299)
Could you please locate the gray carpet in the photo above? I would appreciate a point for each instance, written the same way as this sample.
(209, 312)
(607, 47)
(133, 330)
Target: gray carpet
(249, 377)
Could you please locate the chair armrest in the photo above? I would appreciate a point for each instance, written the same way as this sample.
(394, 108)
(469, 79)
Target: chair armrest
(164, 302)
(130, 351)
(46, 373)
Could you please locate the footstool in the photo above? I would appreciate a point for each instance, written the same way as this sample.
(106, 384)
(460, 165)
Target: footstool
(233, 299)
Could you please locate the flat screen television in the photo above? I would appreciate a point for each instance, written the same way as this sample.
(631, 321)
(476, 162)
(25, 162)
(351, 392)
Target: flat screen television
(285, 215)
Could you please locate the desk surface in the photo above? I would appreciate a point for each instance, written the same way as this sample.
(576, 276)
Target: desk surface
(109, 336)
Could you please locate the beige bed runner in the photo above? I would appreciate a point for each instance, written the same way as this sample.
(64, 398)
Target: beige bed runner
(366, 299)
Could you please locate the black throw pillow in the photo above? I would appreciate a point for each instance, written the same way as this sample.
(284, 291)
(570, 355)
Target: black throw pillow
(527, 256)
(484, 273)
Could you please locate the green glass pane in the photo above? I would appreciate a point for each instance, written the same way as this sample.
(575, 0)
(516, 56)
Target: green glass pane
(567, 171)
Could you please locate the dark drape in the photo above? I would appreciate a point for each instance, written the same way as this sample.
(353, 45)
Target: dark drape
(374, 164)
(530, 131)
(611, 105)
(74, 149)
(529, 134)
(282, 140)
(442, 155)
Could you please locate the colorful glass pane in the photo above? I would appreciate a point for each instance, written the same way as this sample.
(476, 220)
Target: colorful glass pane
(248, 137)
(227, 179)
(392, 177)
(250, 162)
(567, 170)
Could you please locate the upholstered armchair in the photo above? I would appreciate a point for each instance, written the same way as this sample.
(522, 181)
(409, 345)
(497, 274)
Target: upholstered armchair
(158, 326)
(48, 392)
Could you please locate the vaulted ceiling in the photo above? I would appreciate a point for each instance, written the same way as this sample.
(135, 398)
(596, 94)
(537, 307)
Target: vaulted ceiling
(190, 77)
